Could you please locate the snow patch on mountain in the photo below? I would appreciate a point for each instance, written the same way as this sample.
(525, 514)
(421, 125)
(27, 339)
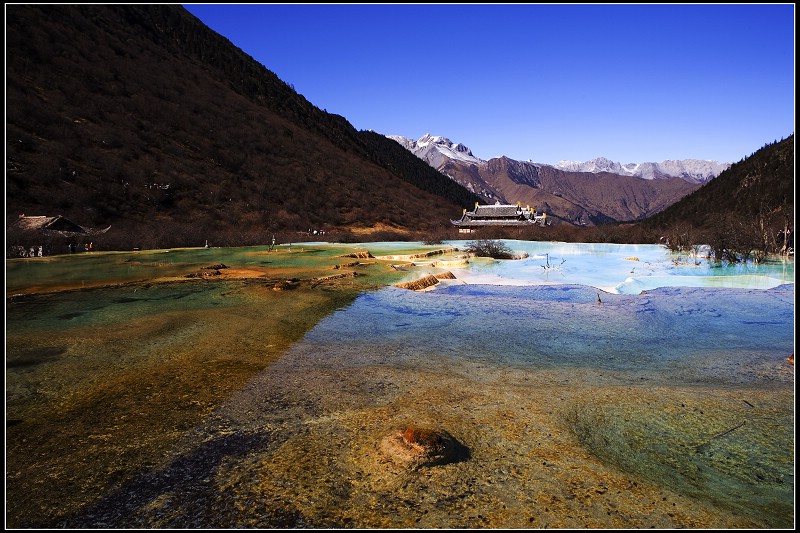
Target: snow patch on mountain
(692, 170)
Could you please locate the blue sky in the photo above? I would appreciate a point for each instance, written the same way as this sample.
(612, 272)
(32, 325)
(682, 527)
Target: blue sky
(633, 83)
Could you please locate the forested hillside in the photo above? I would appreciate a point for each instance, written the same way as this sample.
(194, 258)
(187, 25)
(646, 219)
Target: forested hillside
(142, 118)
(749, 208)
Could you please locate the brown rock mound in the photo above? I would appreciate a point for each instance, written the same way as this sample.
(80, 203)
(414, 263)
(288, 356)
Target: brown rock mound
(417, 447)
(359, 255)
(419, 284)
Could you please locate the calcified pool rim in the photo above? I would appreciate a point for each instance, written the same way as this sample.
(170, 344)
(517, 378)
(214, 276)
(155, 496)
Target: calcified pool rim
(620, 268)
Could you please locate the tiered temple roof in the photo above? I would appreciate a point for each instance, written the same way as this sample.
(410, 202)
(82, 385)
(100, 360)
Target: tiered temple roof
(499, 215)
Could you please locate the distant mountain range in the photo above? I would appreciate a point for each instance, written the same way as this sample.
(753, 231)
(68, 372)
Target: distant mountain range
(692, 170)
(437, 150)
(594, 192)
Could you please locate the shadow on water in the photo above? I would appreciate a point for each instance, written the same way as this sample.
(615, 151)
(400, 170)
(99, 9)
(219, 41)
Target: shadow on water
(105, 305)
(187, 484)
(33, 356)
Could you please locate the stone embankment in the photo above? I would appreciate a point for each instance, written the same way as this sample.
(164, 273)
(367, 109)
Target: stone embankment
(412, 260)
(425, 282)
(411, 257)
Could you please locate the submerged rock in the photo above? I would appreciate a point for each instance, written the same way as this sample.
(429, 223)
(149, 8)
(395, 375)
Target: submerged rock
(286, 284)
(204, 274)
(417, 447)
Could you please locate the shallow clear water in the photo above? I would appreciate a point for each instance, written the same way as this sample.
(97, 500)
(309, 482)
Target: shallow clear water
(667, 368)
(687, 390)
(655, 335)
(587, 394)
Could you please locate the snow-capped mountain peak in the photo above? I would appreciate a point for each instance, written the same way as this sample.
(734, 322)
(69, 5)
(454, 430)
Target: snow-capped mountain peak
(436, 150)
(427, 139)
(599, 164)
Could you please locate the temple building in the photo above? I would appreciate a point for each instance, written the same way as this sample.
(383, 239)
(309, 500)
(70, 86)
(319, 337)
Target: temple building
(498, 215)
